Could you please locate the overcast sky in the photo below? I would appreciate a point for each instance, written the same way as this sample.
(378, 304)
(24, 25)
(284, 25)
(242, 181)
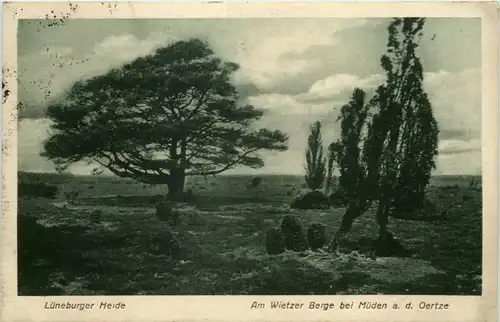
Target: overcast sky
(297, 70)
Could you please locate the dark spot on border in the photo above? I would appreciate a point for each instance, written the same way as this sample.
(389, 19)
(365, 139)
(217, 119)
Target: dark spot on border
(5, 92)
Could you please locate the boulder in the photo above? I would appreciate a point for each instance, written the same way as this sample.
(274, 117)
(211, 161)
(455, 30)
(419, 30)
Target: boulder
(293, 233)
(310, 199)
(275, 243)
(316, 236)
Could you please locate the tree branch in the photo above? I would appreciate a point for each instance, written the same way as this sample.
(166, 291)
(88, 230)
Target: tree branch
(226, 167)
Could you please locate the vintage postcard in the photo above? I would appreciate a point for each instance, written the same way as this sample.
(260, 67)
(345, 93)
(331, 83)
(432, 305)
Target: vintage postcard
(249, 162)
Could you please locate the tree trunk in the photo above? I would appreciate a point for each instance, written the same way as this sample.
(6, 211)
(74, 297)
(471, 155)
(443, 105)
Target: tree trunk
(382, 216)
(176, 184)
(352, 212)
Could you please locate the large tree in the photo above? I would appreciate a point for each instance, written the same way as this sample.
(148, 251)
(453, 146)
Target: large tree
(160, 118)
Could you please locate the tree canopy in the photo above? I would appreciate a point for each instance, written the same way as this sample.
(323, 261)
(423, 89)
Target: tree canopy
(160, 118)
(410, 127)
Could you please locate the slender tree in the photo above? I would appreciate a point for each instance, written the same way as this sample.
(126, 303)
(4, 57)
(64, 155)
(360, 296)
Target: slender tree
(352, 163)
(412, 131)
(160, 118)
(315, 160)
(333, 151)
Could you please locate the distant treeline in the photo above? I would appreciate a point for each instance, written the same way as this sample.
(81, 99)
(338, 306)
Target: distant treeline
(60, 178)
(55, 178)
(37, 190)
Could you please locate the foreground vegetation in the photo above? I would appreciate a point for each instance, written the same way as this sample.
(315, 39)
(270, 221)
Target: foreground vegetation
(222, 235)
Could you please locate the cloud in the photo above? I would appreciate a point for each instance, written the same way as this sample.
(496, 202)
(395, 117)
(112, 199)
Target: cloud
(60, 67)
(323, 97)
(297, 70)
(118, 49)
(107, 44)
(339, 83)
(455, 97)
(284, 105)
(31, 134)
(456, 102)
(118, 43)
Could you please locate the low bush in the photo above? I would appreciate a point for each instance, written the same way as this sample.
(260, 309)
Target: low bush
(293, 232)
(256, 181)
(316, 236)
(390, 246)
(310, 199)
(275, 243)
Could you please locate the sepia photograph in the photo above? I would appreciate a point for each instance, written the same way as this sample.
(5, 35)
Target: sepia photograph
(284, 156)
(224, 156)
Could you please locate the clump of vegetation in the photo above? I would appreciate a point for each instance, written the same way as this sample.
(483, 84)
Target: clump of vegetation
(256, 181)
(275, 243)
(164, 212)
(390, 246)
(316, 236)
(310, 199)
(315, 160)
(293, 231)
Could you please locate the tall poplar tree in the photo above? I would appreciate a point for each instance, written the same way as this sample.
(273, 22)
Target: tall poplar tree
(412, 137)
(395, 163)
(315, 160)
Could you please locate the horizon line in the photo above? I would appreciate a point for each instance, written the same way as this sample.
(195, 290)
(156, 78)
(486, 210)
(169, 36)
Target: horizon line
(223, 174)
